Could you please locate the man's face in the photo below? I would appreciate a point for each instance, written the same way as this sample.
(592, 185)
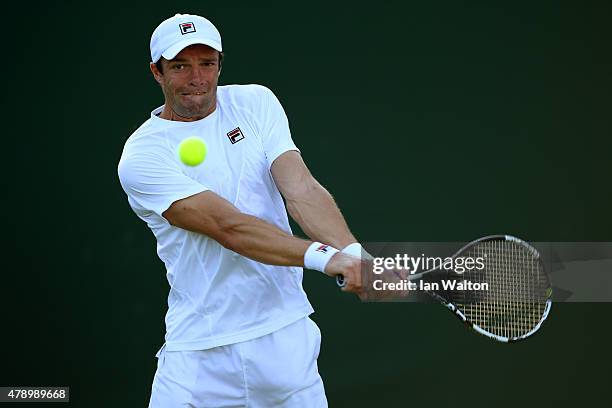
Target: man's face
(189, 82)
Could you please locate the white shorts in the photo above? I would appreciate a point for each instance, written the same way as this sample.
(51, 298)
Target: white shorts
(275, 370)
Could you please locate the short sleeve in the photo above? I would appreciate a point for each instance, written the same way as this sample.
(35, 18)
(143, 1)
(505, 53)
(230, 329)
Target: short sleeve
(153, 183)
(275, 132)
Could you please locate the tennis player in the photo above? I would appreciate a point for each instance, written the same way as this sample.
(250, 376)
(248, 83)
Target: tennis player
(237, 327)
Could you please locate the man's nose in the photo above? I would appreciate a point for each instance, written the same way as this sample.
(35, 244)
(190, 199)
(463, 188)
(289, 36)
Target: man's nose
(197, 75)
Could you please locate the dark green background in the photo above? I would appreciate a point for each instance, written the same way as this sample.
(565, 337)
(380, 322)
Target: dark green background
(446, 120)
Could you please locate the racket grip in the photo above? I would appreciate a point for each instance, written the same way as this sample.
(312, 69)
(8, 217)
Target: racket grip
(340, 281)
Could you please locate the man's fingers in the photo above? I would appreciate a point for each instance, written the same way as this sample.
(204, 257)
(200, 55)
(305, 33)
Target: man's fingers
(348, 269)
(353, 282)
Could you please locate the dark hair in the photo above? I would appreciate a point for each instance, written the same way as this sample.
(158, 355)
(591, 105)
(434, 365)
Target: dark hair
(160, 68)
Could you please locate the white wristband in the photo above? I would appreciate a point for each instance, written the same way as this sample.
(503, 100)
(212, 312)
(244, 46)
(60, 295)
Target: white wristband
(318, 255)
(355, 249)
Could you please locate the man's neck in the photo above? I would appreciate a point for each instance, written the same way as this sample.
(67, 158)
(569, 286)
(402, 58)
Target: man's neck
(169, 114)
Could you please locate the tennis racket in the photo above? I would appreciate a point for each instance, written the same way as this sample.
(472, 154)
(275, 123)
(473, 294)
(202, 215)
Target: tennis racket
(519, 295)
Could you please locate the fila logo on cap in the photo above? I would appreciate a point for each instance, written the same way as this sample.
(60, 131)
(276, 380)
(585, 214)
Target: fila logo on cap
(187, 28)
(235, 135)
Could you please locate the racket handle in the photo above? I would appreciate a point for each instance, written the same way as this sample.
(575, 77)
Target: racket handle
(340, 280)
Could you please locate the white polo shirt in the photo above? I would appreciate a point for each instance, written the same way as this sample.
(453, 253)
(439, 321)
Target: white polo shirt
(216, 296)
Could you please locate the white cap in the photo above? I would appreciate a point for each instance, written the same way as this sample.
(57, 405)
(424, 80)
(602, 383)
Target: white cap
(181, 31)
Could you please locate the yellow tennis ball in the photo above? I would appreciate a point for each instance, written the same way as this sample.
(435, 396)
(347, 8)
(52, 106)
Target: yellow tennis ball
(192, 151)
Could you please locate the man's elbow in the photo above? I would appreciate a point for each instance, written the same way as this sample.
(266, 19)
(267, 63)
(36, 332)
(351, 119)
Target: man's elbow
(213, 217)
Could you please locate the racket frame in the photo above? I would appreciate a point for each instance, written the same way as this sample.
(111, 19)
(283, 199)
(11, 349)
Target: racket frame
(455, 310)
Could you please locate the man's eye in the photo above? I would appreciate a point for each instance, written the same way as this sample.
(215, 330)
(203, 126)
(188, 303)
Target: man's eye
(179, 67)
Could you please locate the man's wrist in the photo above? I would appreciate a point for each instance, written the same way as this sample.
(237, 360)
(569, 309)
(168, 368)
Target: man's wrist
(318, 255)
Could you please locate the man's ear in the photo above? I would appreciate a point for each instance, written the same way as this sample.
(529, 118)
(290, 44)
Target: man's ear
(156, 74)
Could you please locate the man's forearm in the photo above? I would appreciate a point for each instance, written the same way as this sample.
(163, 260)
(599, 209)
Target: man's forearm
(209, 214)
(319, 217)
(256, 239)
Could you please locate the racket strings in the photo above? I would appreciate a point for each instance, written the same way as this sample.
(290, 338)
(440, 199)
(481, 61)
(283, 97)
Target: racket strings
(515, 301)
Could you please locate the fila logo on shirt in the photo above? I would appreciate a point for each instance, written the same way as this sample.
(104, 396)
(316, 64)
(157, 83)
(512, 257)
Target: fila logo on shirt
(322, 248)
(235, 135)
(187, 28)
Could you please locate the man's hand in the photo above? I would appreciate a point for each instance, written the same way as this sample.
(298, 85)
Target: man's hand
(360, 279)
(351, 268)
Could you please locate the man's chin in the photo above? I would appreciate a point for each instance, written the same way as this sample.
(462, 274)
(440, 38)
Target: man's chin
(194, 110)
